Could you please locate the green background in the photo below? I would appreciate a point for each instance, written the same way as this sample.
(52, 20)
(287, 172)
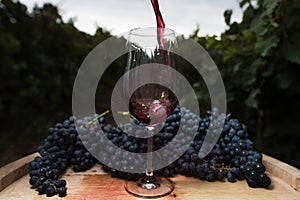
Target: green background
(259, 59)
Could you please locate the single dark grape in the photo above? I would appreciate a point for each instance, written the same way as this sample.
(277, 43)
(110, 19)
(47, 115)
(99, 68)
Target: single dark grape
(62, 191)
(231, 177)
(50, 191)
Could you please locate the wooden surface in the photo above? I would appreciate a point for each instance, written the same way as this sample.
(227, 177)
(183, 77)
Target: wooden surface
(15, 170)
(283, 171)
(94, 184)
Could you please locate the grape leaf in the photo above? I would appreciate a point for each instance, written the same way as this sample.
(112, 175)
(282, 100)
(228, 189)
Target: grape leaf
(270, 6)
(252, 101)
(264, 46)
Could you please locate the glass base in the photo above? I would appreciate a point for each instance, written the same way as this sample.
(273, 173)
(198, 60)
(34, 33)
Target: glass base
(150, 187)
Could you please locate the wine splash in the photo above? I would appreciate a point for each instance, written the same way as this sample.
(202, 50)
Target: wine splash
(152, 103)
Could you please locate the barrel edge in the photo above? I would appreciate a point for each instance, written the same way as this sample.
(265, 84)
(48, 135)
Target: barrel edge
(289, 174)
(13, 171)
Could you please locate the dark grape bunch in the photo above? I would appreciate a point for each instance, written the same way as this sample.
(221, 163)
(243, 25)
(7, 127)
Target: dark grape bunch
(61, 149)
(232, 158)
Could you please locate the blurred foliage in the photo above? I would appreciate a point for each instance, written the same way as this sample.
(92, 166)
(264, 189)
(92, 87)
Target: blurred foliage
(39, 59)
(258, 59)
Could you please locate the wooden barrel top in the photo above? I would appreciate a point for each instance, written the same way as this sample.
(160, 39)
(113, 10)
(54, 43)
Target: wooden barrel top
(95, 184)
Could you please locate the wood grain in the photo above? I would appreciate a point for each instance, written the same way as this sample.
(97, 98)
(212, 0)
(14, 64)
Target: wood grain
(15, 170)
(95, 184)
(285, 172)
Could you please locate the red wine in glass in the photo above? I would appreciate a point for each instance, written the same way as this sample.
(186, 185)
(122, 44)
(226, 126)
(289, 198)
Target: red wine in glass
(152, 103)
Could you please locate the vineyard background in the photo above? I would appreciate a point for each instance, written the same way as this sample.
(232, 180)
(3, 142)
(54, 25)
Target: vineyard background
(259, 60)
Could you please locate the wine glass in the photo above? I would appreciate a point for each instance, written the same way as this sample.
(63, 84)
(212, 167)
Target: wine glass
(150, 103)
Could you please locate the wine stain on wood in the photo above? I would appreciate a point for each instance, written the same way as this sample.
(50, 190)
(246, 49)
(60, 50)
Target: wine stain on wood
(103, 186)
(98, 185)
(94, 187)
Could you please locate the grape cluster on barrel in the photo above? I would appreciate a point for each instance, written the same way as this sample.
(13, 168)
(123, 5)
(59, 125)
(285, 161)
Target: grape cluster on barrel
(231, 158)
(61, 149)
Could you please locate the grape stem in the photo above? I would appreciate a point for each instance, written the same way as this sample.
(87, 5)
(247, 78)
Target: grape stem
(127, 113)
(101, 115)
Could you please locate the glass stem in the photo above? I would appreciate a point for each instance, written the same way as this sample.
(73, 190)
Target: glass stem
(149, 168)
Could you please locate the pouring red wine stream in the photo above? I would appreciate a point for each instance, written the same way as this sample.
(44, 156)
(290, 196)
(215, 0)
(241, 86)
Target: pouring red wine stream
(154, 108)
(160, 25)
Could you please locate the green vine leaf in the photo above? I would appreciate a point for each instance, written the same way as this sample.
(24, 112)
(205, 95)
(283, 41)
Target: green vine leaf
(270, 6)
(210, 42)
(229, 53)
(247, 33)
(258, 63)
(264, 46)
(258, 25)
(252, 101)
(232, 37)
